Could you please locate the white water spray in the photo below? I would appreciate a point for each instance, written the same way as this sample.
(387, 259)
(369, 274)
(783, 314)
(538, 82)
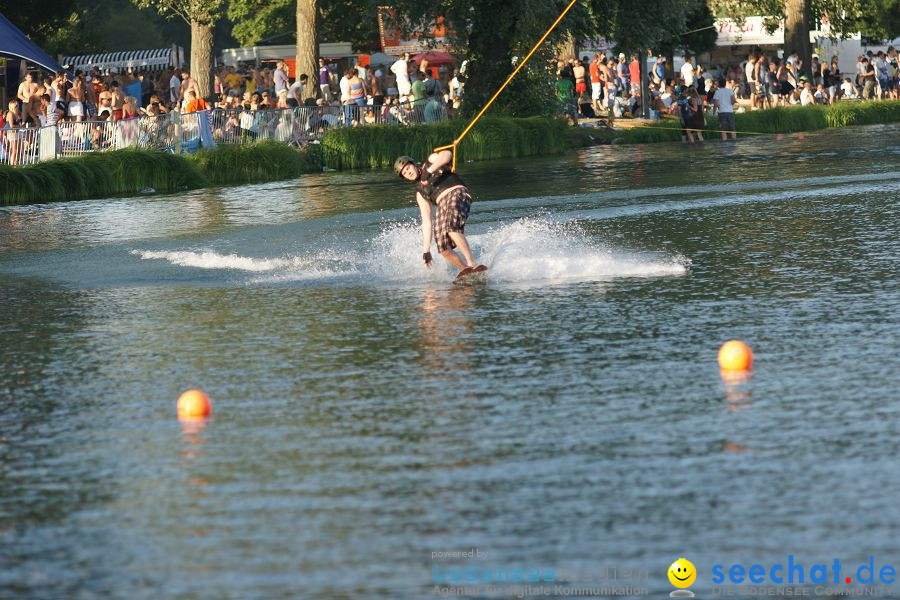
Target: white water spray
(526, 251)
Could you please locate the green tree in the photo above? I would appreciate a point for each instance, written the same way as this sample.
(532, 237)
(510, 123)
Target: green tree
(844, 18)
(38, 20)
(491, 32)
(701, 32)
(201, 15)
(881, 19)
(697, 36)
(258, 20)
(57, 26)
(351, 21)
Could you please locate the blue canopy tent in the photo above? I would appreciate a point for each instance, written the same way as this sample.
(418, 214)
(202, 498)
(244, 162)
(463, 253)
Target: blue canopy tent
(14, 43)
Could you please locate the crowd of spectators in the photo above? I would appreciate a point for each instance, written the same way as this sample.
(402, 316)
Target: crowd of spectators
(246, 96)
(610, 86)
(365, 93)
(362, 94)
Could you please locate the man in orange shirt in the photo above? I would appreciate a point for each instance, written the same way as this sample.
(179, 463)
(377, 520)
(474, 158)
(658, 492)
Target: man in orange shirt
(193, 103)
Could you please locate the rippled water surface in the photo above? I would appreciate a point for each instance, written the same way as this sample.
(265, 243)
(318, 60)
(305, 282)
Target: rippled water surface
(567, 414)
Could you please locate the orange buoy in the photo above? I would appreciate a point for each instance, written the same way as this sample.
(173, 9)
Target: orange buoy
(194, 404)
(735, 355)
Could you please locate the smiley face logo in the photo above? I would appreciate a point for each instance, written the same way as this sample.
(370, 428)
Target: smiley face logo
(682, 573)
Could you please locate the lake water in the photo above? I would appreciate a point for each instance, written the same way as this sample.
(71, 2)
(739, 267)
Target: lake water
(568, 414)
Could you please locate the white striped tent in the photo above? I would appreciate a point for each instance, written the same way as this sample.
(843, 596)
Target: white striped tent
(139, 60)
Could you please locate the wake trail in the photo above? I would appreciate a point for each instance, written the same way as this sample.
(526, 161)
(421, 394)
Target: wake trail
(534, 250)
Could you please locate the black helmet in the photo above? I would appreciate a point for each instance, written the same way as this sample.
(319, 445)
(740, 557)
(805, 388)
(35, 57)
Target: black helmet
(401, 163)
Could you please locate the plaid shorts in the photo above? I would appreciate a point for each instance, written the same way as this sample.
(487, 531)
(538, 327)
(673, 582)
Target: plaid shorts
(452, 212)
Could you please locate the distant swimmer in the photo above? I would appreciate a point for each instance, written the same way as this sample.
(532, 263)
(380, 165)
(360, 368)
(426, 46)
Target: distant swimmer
(437, 184)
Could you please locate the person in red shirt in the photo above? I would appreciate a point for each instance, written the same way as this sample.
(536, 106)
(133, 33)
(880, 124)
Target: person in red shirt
(596, 83)
(634, 70)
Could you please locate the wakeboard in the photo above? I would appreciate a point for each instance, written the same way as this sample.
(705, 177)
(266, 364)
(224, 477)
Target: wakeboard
(471, 275)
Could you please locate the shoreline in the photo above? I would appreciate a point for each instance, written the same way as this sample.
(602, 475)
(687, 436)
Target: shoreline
(132, 172)
(774, 121)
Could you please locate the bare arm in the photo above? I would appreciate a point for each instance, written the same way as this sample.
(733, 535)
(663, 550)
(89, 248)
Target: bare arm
(438, 160)
(425, 211)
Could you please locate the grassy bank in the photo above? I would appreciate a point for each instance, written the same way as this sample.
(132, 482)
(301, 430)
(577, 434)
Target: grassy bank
(127, 172)
(235, 164)
(777, 120)
(98, 175)
(492, 137)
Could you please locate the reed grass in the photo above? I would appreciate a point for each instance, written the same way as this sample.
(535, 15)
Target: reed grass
(784, 119)
(492, 137)
(125, 172)
(846, 114)
(97, 175)
(234, 164)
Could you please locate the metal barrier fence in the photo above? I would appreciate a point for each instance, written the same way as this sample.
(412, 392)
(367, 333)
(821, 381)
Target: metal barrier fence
(186, 133)
(20, 146)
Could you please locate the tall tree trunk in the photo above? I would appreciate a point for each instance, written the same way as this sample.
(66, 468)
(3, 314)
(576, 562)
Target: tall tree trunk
(307, 44)
(796, 31)
(566, 49)
(202, 56)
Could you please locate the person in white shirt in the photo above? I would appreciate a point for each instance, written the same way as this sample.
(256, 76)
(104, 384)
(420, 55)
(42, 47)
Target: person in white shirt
(344, 86)
(401, 70)
(295, 92)
(687, 72)
(174, 88)
(456, 89)
(860, 69)
(346, 101)
(667, 97)
(849, 89)
(806, 96)
(724, 100)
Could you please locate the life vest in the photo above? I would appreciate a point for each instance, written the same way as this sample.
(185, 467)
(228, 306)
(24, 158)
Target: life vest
(438, 183)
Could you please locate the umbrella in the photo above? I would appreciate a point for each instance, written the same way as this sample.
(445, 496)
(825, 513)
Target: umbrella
(434, 57)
